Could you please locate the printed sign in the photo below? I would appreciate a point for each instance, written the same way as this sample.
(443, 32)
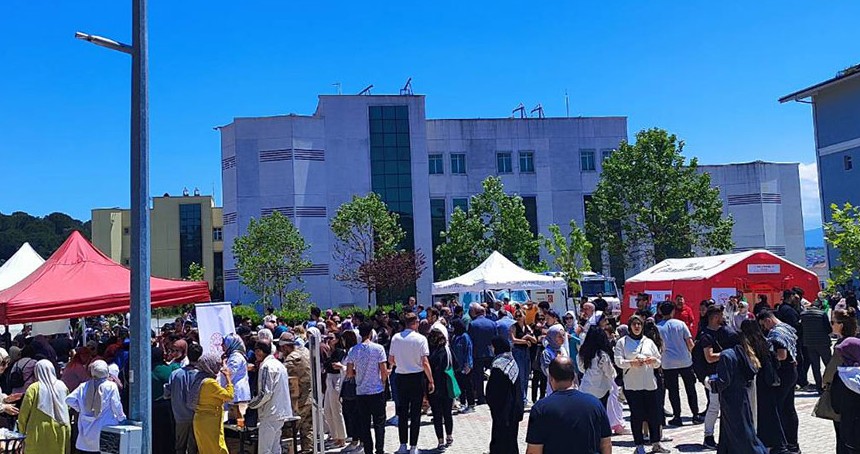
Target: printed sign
(763, 268)
(721, 295)
(657, 296)
(214, 321)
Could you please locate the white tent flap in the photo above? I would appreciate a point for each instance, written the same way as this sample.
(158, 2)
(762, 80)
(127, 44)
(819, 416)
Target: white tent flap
(19, 266)
(497, 272)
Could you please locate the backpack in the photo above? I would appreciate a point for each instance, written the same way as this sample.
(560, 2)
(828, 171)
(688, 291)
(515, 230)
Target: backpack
(16, 377)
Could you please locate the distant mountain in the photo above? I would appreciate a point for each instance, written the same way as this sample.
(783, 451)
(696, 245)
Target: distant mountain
(814, 237)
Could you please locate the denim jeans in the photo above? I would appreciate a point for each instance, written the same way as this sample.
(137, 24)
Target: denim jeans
(521, 357)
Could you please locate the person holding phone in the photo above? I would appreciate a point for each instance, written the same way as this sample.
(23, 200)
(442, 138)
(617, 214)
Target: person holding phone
(210, 398)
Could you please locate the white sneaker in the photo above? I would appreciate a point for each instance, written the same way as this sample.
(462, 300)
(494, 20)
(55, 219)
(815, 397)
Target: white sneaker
(402, 450)
(414, 450)
(657, 448)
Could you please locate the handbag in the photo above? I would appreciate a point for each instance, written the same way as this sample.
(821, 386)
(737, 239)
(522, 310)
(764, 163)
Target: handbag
(453, 387)
(348, 389)
(824, 408)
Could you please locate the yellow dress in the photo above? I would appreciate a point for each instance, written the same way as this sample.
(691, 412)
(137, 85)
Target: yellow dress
(208, 427)
(44, 434)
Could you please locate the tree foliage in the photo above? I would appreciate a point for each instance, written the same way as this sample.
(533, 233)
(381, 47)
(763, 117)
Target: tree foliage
(45, 234)
(393, 274)
(365, 230)
(495, 222)
(649, 205)
(196, 272)
(570, 254)
(843, 234)
(270, 257)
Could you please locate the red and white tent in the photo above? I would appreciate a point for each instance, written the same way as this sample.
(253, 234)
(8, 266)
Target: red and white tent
(79, 281)
(757, 272)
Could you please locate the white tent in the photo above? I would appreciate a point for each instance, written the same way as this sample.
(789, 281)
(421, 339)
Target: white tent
(19, 266)
(497, 272)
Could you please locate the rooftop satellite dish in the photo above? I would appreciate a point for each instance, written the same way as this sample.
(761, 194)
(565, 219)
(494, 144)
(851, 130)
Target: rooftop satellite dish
(184, 192)
(366, 90)
(196, 192)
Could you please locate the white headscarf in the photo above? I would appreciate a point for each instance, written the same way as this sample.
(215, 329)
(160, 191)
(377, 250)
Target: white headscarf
(94, 395)
(52, 393)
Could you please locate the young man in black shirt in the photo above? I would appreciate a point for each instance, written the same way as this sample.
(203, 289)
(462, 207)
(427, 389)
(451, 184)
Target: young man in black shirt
(715, 338)
(568, 421)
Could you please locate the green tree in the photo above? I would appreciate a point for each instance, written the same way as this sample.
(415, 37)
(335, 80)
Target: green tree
(570, 254)
(364, 230)
(843, 234)
(495, 222)
(270, 257)
(650, 205)
(196, 272)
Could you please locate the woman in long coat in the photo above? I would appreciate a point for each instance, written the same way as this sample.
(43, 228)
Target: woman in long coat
(210, 397)
(736, 374)
(504, 397)
(44, 415)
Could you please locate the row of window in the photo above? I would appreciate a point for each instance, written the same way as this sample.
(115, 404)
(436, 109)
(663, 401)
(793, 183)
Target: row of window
(505, 161)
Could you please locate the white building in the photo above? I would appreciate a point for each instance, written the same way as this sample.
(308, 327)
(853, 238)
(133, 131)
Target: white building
(307, 166)
(764, 200)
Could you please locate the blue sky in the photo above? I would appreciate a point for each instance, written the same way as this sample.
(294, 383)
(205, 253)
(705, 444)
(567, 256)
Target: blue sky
(709, 72)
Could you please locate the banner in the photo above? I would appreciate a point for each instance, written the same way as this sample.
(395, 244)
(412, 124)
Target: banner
(214, 321)
(50, 328)
(721, 295)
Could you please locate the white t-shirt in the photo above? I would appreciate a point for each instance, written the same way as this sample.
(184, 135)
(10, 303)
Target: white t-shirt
(409, 349)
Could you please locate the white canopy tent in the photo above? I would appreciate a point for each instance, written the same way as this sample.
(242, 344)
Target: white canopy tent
(19, 266)
(497, 272)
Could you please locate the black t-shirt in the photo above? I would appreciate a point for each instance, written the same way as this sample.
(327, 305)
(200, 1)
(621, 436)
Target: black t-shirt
(568, 422)
(721, 339)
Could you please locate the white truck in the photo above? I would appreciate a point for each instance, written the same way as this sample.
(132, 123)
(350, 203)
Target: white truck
(592, 285)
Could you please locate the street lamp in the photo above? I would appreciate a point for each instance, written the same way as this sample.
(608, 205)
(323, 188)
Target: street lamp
(140, 354)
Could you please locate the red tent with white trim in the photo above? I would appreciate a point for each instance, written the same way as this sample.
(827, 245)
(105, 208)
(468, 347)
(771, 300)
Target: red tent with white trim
(78, 280)
(756, 272)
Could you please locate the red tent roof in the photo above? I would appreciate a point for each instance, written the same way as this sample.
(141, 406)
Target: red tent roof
(79, 280)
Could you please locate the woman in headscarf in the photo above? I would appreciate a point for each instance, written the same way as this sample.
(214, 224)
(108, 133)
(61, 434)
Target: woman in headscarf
(638, 356)
(844, 326)
(209, 398)
(736, 372)
(44, 415)
(504, 398)
(555, 339)
(234, 351)
(97, 400)
(162, 423)
(845, 394)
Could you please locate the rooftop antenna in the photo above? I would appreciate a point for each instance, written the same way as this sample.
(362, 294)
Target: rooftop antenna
(366, 90)
(339, 87)
(407, 89)
(185, 192)
(539, 109)
(521, 109)
(566, 103)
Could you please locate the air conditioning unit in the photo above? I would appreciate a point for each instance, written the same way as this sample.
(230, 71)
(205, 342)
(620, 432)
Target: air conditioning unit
(120, 440)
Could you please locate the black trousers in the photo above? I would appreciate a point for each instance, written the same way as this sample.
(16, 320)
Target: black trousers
(817, 355)
(538, 385)
(464, 381)
(674, 390)
(787, 411)
(644, 407)
(350, 418)
(441, 404)
(477, 373)
(371, 410)
(410, 392)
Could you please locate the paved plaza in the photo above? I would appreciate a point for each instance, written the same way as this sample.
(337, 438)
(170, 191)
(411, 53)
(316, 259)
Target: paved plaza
(472, 431)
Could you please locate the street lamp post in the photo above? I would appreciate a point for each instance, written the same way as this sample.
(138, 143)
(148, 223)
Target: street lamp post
(140, 356)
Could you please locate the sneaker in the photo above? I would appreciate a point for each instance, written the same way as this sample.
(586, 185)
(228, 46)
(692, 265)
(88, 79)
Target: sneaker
(697, 419)
(709, 442)
(675, 422)
(449, 441)
(402, 450)
(413, 450)
(656, 448)
(639, 450)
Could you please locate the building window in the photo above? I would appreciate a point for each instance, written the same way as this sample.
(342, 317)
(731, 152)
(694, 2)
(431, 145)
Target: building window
(849, 164)
(586, 159)
(436, 165)
(437, 225)
(605, 154)
(503, 163)
(527, 162)
(458, 163)
(530, 203)
(391, 164)
(461, 203)
(217, 234)
(125, 231)
(190, 236)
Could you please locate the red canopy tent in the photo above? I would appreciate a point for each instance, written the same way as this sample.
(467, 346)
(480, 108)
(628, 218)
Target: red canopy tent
(753, 273)
(79, 281)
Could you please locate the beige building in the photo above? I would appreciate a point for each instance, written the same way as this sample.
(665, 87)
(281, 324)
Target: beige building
(185, 229)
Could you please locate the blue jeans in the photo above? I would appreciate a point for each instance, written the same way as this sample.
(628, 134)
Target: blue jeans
(524, 363)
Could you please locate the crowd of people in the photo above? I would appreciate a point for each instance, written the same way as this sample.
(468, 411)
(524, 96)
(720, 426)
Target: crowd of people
(573, 373)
